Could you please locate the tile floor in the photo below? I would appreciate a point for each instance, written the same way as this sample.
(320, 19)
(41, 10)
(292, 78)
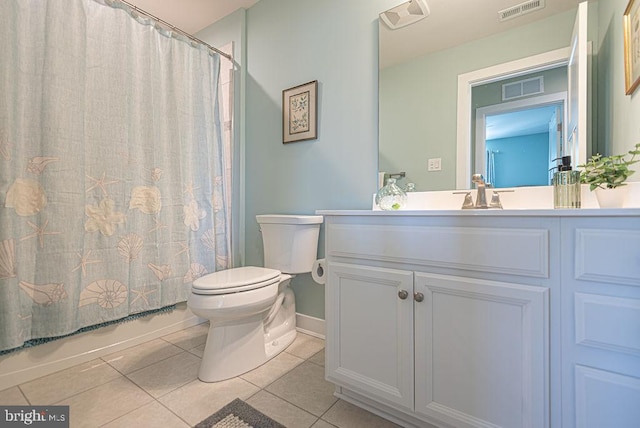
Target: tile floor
(156, 384)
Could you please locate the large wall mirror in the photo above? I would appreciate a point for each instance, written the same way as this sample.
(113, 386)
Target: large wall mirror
(444, 115)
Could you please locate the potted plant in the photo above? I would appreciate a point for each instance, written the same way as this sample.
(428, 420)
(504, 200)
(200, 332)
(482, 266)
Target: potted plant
(607, 175)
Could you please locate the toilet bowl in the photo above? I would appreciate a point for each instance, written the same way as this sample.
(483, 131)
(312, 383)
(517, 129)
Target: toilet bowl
(251, 310)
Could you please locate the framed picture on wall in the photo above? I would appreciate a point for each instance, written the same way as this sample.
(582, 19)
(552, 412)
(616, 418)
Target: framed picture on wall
(299, 113)
(632, 46)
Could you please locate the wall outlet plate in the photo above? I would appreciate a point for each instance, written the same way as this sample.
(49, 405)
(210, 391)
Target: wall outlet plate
(434, 164)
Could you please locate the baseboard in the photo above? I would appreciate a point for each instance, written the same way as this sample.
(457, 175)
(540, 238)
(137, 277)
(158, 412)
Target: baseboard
(310, 325)
(31, 363)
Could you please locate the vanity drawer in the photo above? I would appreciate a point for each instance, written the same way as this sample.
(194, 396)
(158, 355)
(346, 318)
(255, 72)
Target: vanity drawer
(606, 322)
(512, 251)
(608, 256)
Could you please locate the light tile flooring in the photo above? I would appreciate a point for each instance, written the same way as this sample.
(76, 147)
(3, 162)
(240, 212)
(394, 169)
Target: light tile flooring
(156, 384)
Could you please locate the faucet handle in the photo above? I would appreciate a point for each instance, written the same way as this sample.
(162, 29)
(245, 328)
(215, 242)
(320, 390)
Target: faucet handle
(495, 198)
(495, 201)
(468, 200)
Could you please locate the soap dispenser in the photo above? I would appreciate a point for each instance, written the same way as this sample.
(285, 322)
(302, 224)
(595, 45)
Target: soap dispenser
(566, 185)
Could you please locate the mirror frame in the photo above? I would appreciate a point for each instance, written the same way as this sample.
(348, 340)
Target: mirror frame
(467, 81)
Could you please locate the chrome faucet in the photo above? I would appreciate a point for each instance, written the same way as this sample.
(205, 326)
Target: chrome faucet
(481, 197)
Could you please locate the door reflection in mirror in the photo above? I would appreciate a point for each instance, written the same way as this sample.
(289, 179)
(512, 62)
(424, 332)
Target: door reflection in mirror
(519, 123)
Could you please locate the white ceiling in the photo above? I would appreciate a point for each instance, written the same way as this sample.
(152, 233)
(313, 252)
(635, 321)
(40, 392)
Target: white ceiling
(191, 16)
(453, 22)
(518, 123)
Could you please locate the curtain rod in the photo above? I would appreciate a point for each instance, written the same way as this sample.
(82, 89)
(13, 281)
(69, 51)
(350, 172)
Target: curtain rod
(176, 29)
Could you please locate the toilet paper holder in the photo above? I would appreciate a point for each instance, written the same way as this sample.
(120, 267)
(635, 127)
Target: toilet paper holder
(319, 271)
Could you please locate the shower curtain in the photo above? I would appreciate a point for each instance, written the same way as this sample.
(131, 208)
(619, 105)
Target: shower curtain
(491, 167)
(112, 167)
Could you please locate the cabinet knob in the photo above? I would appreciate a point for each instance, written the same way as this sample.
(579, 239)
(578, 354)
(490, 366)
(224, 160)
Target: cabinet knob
(403, 294)
(418, 297)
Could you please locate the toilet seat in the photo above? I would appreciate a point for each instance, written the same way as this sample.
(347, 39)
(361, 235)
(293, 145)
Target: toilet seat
(235, 280)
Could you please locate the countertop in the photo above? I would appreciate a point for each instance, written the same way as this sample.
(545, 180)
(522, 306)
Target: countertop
(582, 212)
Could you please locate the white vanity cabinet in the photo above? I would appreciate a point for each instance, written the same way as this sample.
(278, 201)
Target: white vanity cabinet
(486, 319)
(442, 320)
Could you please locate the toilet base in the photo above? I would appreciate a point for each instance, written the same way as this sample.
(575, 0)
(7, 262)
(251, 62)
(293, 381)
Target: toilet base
(232, 350)
(231, 359)
(274, 347)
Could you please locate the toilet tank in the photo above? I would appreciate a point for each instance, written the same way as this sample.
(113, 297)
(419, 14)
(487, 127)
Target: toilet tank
(290, 241)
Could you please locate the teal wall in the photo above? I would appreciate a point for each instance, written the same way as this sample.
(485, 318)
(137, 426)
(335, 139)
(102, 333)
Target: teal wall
(291, 42)
(521, 161)
(418, 99)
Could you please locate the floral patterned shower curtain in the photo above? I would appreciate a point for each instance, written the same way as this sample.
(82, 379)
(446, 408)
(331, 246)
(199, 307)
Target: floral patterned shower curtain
(112, 167)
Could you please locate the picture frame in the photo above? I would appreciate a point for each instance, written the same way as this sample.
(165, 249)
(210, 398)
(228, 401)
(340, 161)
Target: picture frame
(300, 113)
(631, 25)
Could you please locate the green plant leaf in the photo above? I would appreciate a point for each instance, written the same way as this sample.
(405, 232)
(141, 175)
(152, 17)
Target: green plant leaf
(608, 171)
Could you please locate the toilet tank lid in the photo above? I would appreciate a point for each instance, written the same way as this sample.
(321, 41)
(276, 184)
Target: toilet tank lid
(236, 277)
(289, 219)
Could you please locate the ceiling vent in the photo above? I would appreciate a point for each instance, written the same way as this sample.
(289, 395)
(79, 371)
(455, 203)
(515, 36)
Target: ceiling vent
(519, 10)
(405, 14)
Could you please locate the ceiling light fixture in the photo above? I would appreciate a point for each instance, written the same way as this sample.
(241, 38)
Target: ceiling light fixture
(405, 14)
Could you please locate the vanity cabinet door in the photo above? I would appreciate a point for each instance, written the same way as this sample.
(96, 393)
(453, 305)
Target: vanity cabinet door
(481, 352)
(370, 332)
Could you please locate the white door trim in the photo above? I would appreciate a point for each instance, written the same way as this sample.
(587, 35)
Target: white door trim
(467, 81)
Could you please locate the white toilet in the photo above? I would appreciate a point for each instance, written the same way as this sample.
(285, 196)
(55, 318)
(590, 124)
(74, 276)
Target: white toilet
(251, 310)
